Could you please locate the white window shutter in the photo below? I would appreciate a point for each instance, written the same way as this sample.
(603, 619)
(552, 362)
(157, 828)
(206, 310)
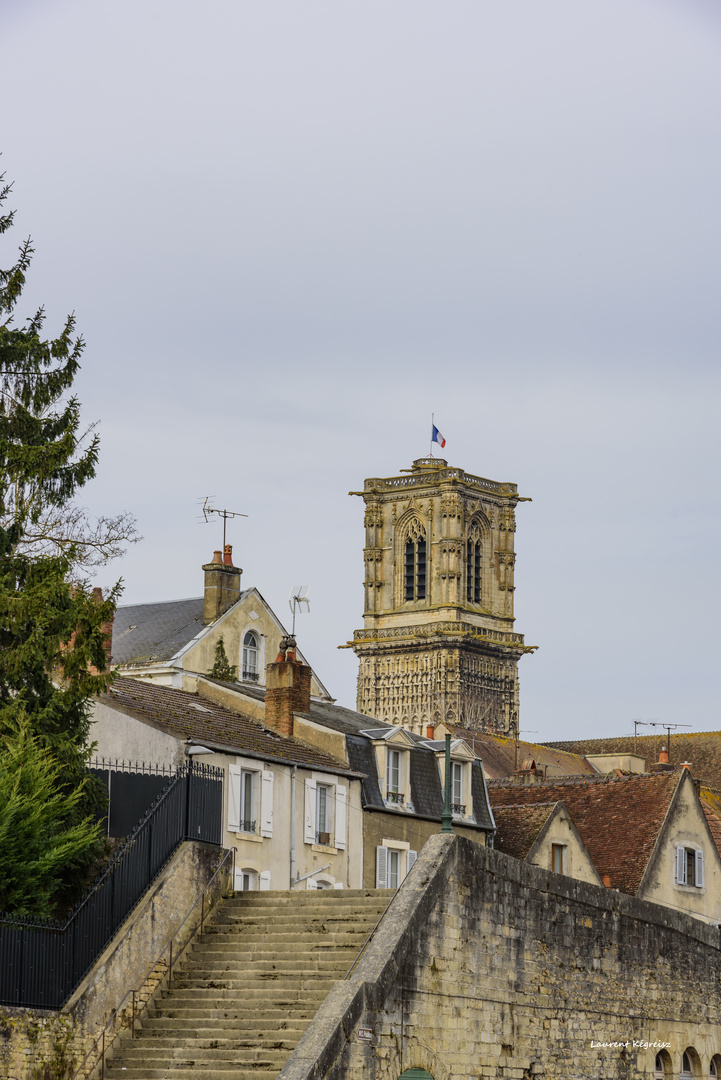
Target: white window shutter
(264, 880)
(680, 866)
(340, 816)
(311, 883)
(234, 798)
(699, 868)
(238, 879)
(310, 786)
(410, 859)
(381, 868)
(266, 804)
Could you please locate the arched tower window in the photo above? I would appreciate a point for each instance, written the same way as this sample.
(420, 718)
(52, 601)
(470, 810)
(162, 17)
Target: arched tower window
(251, 647)
(474, 566)
(414, 585)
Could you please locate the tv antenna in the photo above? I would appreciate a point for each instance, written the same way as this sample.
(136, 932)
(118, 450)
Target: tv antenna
(667, 728)
(298, 597)
(224, 514)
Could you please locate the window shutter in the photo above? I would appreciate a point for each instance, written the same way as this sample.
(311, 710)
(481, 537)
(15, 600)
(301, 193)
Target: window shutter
(310, 812)
(381, 868)
(699, 868)
(266, 804)
(410, 859)
(311, 883)
(264, 880)
(680, 866)
(340, 816)
(238, 879)
(234, 798)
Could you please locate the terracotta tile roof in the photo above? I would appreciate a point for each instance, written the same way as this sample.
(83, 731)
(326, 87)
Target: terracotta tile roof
(190, 716)
(499, 755)
(518, 826)
(701, 748)
(618, 818)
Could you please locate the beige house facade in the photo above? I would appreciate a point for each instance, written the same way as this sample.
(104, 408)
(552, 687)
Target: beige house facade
(292, 813)
(438, 641)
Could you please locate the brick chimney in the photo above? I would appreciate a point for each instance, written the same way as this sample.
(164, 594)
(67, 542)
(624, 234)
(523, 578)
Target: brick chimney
(663, 764)
(287, 688)
(222, 585)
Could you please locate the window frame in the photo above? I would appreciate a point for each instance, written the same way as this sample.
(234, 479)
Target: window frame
(560, 850)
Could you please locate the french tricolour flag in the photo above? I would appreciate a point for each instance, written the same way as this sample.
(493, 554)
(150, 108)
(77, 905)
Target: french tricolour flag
(437, 437)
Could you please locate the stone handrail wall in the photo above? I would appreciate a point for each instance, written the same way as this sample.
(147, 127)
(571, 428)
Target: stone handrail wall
(49, 1044)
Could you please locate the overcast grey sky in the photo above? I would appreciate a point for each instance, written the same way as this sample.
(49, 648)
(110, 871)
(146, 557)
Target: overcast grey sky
(292, 230)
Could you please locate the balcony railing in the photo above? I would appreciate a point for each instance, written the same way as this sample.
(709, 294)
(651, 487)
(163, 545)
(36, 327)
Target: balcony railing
(250, 676)
(395, 797)
(247, 826)
(458, 808)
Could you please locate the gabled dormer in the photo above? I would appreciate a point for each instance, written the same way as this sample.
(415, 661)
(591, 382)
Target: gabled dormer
(462, 758)
(392, 748)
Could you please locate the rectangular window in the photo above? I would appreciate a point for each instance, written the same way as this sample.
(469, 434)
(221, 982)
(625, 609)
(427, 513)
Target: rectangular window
(688, 867)
(321, 815)
(247, 815)
(421, 591)
(394, 868)
(393, 772)
(410, 570)
(558, 858)
(457, 806)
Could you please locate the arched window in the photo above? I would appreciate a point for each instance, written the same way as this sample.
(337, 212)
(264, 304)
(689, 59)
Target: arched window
(713, 1069)
(474, 566)
(415, 563)
(688, 1059)
(251, 647)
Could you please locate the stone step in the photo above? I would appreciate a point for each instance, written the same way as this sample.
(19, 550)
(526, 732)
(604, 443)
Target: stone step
(244, 1054)
(315, 991)
(293, 918)
(211, 1039)
(301, 1011)
(282, 967)
(270, 956)
(314, 897)
(252, 984)
(170, 1072)
(224, 1027)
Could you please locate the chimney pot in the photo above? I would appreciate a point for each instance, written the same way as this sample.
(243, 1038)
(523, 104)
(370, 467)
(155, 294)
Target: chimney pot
(663, 756)
(685, 764)
(430, 731)
(607, 880)
(217, 557)
(228, 556)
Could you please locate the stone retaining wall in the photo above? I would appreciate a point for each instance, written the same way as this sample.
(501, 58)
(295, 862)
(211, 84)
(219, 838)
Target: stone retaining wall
(488, 967)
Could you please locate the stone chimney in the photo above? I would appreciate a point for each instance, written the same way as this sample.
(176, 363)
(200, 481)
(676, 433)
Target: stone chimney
(222, 585)
(287, 688)
(528, 773)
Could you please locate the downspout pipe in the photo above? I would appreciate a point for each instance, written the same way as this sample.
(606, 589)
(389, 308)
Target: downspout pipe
(292, 825)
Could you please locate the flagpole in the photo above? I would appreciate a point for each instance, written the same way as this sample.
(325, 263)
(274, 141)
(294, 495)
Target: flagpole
(433, 420)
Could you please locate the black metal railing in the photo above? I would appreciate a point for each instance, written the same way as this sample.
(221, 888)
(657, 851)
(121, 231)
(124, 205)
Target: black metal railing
(395, 796)
(42, 961)
(246, 825)
(458, 808)
(250, 676)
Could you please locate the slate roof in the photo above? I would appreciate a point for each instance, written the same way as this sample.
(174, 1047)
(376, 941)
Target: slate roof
(518, 826)
(617, 817)
(711, 805)
(426, 788)
(499, 755)
(152, 633)
(188, 715)
(702, 749)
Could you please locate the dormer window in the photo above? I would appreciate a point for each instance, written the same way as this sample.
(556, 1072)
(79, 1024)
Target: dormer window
(457, 804)
(251, 648)
(393, 776)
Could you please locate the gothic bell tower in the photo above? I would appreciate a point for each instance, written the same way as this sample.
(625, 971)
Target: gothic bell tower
(438, 640)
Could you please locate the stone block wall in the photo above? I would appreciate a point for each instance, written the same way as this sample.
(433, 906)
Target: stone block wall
(487, 967)
(37, 1044)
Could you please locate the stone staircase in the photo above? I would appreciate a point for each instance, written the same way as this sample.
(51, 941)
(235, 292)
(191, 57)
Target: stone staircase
(243, 998)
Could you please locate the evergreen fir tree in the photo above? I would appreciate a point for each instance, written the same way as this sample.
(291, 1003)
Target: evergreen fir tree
(221, 669)
(52, 645)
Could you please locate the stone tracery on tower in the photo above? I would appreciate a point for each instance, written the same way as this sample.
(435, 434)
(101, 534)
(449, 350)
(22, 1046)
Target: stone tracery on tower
(438, 641)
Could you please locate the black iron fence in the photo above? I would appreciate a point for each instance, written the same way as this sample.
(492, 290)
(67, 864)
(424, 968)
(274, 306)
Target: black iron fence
(41, 962)
(132, 787)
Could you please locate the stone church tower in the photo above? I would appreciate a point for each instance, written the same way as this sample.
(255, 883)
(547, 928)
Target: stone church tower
(438, 641)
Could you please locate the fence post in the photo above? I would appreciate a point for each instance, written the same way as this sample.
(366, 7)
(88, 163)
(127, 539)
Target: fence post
(187, 800)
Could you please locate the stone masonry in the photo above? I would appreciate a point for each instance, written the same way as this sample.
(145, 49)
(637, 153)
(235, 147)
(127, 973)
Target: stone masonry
(487, 967)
